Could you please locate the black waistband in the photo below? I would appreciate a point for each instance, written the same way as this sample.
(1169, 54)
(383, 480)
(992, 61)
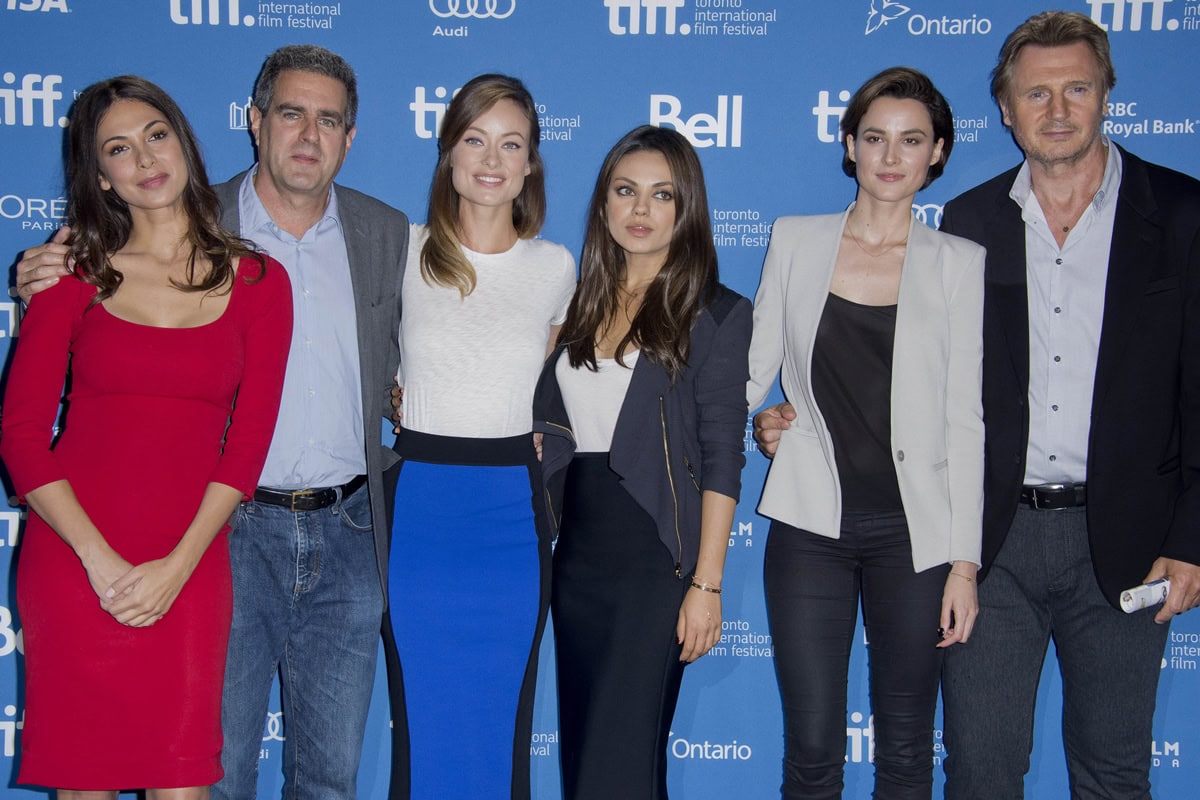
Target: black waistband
(308, 499)
(1054, 496)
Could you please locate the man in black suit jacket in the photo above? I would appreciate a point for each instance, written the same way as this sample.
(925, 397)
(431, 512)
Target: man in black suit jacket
(1092, 410)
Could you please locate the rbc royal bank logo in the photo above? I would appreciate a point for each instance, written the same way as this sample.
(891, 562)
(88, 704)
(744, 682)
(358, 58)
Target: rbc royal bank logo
(723, 129)
(638, 16)
(38, 5)
(1119, 15)
(33, 103)
(473, 9)
(201, 12)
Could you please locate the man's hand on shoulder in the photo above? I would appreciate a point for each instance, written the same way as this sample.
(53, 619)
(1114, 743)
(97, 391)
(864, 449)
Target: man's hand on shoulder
(769, 424)
(41, 267)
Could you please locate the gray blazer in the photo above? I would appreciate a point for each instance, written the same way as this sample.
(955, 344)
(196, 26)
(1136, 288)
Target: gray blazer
(377, 246)
(936, 407)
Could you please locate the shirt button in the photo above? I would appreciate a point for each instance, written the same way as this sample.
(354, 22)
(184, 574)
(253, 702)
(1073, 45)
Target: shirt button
(1058, 261)
(899, 455)
(1057, 358)
(1054, 407)
(1054, 458)
(1058, 309)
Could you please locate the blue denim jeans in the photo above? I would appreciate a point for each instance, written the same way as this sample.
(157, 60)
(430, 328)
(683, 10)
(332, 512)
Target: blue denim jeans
(1042, 584)
(306, 605)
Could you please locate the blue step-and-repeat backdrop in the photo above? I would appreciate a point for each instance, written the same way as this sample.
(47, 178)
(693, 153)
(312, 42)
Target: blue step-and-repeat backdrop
(757, 85)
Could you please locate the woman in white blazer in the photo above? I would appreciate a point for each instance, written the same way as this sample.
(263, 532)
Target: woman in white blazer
(874, 322)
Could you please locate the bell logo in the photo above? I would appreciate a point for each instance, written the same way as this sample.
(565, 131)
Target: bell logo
(197, 13)
(1116, 20)
(703, 130)
(632, 22)
(38, 5)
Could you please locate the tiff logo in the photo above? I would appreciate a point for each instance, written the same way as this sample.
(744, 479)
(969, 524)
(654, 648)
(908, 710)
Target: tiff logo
(197, 15)
(633, 19)
(38, 5)
(8, 731)
(34, 89)
(1116, 21)
(424, 109)
(826, 114)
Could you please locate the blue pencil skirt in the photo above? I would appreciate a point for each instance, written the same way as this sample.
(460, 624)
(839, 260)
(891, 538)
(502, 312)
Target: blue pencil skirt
(468, 586)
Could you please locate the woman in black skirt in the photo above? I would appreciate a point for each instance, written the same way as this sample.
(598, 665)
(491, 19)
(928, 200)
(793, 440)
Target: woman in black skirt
(643, 411)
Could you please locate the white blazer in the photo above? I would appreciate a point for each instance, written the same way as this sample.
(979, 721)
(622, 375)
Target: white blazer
(936, 408)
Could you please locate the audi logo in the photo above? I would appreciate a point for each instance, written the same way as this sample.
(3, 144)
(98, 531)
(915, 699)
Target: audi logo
(930, 214)
(274, 727)
(472, 9)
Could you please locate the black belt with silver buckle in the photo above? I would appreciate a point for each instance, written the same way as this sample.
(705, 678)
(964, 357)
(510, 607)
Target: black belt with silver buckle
(308, 499)
(1054, 496)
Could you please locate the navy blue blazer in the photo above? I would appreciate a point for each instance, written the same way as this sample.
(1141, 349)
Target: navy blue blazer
(672, 441)
(1143, 469)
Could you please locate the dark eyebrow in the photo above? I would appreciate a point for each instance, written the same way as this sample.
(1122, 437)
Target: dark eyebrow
(325, 113)
(145, 128)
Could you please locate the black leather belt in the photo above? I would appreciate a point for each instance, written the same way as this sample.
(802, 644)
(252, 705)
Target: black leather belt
(308, 499)
(1054, 496)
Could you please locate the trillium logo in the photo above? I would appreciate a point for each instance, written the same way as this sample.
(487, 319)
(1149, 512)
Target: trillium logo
(882, 12)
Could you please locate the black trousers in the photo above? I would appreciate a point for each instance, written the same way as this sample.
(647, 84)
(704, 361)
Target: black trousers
(616, 602)
(813, 587)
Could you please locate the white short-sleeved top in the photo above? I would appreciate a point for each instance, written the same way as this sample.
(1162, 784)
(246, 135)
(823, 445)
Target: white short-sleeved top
(469, 365)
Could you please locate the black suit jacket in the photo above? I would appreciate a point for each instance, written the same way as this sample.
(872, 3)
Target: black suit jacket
(1143, 469)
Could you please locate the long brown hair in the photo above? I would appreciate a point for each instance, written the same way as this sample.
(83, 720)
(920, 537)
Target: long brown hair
(442, 260)
(100, 220)
(683, 287)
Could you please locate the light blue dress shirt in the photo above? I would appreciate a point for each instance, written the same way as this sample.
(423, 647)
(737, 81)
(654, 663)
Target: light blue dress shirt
(1066, 287)
(318, 437)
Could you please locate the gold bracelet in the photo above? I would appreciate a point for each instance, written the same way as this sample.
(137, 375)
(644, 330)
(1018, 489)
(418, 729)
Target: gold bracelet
(966, 578)
(704, 587)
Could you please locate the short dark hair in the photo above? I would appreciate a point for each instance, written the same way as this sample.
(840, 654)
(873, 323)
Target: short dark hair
(1052, 29)
(306, 58)
(901, 83)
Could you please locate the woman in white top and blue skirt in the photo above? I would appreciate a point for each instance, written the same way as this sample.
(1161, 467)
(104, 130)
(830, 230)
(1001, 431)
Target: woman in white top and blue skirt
(643, 409)
(468, 574)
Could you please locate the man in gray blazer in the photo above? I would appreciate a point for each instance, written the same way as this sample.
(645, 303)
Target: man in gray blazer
(308, 580)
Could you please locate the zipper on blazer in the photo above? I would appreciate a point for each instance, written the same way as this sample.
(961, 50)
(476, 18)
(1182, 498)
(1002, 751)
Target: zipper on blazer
(691, 474)
(662, 416)
(549, 502)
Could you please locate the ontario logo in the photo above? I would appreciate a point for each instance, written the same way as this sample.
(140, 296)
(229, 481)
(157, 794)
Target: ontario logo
(882, 12)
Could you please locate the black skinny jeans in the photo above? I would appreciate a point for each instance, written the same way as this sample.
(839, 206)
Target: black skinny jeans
(813, 586)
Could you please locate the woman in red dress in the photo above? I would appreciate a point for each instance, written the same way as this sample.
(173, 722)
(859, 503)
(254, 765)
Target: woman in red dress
(123, 581)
